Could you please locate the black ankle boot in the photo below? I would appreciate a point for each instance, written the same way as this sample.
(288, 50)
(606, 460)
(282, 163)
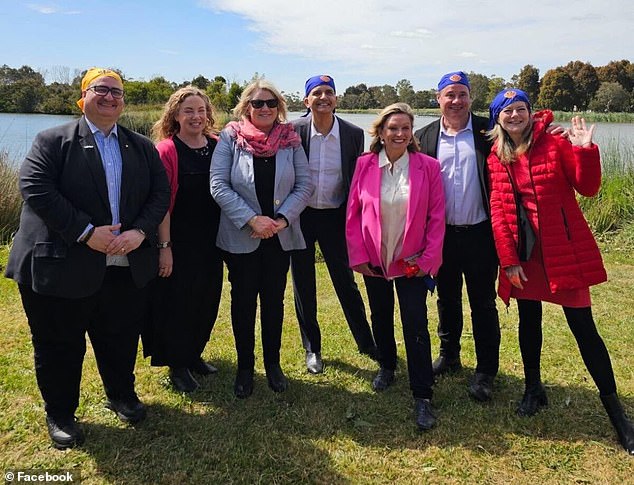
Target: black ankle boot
(534, 394)
(533, 400)
(620, 421)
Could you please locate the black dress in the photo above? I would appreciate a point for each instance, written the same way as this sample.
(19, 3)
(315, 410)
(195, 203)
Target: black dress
(186, 304)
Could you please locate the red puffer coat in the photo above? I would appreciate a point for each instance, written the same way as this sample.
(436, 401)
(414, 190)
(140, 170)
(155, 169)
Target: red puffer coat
(570, 256)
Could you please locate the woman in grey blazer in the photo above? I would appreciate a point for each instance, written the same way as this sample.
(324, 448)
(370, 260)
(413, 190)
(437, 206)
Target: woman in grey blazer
(260, 180)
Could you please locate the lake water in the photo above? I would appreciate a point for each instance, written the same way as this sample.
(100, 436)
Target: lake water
(17, 131)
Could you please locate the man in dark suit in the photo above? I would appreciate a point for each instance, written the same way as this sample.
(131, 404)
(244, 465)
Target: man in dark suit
(458, 140)
(94, 194)
(332, 146)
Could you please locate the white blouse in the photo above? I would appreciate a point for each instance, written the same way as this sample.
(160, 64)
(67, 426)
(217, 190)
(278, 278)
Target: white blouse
(394, 199)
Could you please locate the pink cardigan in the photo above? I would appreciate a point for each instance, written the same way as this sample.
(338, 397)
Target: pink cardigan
(169, 157)
(425, 224)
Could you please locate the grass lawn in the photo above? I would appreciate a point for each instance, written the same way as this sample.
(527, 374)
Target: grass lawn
(332, 428)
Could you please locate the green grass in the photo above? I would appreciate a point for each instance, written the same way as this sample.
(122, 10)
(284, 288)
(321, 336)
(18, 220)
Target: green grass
(332, 428)
(10, 199)
(613, 207)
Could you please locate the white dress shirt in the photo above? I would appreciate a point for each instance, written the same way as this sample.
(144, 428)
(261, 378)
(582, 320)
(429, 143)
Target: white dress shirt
(394, 200)
(324, 163)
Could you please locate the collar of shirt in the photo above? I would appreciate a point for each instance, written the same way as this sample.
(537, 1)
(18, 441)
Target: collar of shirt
(334, 131)
(384, 161)
(94, 129)
(469, 127)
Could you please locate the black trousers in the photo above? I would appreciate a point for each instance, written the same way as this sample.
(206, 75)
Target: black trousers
(112, 317)
(469, 252)
(412, 293)
(260, 273)
(591, 346)
(326, 227)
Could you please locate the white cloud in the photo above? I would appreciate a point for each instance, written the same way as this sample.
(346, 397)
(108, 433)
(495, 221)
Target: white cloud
(43, 9)
(373, 37)
(51, 9)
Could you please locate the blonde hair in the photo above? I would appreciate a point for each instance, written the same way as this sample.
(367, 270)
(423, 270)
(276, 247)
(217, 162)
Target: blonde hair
(167, 125)
(242, 108)
(379, 123)
(505, 149)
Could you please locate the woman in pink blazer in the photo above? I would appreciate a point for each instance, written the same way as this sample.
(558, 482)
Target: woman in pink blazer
(394, 229)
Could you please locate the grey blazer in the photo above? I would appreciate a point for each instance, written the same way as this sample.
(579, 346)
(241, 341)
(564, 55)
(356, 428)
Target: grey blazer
(233, 188)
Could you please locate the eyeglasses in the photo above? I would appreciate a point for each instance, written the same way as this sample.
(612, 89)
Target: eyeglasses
(259, 103)
(104, 90)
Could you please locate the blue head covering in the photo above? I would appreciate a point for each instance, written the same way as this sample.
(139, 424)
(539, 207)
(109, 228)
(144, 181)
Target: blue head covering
(313, 82)
(457, 77)
(502, 100)
(322, 79)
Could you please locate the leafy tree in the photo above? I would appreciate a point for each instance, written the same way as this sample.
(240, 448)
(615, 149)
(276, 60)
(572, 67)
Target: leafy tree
(294, 101)
(217, 92)
(233, 95)
(59, 98)
(159, 90)
(611, 96)
(201, 82)
(586, 82)
(557, 90)
(136, 92)
(425, 99)
(382, 96)
(22, 91)
(406, 92)
(479, 91)
(496, 84)
(352, 99)
(528, 80)
(621, 72)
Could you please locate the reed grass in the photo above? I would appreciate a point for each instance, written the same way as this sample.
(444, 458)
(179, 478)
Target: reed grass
(10, 198)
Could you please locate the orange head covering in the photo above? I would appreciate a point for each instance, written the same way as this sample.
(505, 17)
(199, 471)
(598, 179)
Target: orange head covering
(92, 74)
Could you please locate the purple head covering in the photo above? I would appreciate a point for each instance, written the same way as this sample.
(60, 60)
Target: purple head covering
(502, 100)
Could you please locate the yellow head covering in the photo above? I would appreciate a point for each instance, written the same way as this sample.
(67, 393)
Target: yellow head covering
(92, 74)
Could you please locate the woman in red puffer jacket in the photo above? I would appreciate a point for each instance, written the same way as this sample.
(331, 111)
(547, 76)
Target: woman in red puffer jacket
(546, 249)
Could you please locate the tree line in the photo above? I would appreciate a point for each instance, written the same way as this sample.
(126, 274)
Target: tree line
(576, 86)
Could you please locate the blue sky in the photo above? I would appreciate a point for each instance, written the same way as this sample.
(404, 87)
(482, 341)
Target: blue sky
(372, 41)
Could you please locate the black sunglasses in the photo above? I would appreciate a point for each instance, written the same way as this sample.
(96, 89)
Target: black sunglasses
(259, 103)
(104, 90)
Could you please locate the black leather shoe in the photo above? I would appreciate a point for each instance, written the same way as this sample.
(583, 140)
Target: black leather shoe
(425, 419)
(481, 388)
(202, 368)
(64, 433)
(314, 364)
(182, 380)
(243, 385)
(533, 400)
(383, 379)
(277, 380)
(443, 365)
(129, 411)
(371, 352)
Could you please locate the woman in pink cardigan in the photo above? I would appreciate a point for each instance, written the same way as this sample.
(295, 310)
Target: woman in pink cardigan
(187, 294)
(394, 229)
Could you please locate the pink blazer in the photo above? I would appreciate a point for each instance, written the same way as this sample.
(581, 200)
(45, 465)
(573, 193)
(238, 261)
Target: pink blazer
(425, 224)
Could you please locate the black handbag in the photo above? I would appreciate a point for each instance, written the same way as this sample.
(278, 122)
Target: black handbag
(526, 239)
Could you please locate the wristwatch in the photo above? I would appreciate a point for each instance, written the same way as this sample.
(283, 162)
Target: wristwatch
(164, 244)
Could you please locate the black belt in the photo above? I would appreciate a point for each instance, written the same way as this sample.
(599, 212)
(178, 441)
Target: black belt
(466, 228)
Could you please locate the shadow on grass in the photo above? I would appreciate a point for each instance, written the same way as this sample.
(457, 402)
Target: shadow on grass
(212, 437)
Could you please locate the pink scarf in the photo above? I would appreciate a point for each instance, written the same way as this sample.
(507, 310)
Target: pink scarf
(259, 144)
